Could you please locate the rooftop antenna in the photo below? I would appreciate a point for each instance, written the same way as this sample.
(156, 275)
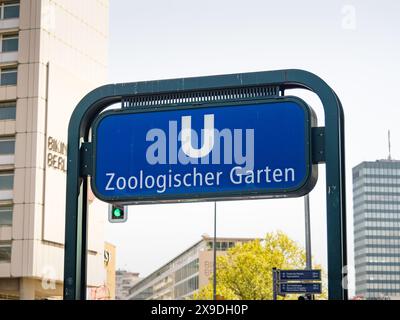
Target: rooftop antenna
(390, 153)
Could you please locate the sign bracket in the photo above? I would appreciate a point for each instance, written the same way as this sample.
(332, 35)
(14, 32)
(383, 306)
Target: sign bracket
(318, 145)
(87, 159)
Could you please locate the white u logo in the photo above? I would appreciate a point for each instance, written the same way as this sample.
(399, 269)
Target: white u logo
(208, 140)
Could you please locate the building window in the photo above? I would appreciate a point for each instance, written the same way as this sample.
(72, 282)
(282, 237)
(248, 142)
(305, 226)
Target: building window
(187, 270)
(6, 181)
(7, 146)
(9, 10)
(5, 252)
(7, 151)
(6, 216)
(186, 287)
(8, 77)
(9, 43)
(6, 186)
(8, 111)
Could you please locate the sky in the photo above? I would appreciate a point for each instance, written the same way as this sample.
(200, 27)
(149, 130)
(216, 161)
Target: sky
(353, 45)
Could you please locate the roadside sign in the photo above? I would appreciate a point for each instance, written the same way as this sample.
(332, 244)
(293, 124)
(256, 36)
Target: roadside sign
(301, 275)
(299, 287)
(235, 150)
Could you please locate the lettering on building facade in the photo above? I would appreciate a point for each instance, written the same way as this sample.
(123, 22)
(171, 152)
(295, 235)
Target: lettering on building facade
(56, 154)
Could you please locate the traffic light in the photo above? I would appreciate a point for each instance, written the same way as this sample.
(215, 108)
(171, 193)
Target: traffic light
(117, 214)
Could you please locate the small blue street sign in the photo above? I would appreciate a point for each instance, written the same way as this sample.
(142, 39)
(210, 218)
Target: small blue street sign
(239, 150)
(301, 275)
(294, 288)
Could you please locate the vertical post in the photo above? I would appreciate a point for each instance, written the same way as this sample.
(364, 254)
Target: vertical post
(335, 171)
(335, 201)
(215, 254)
(274, 284)
(76, 239)
(82, 240)
(75, 255)
(308, 237)
(308, 232)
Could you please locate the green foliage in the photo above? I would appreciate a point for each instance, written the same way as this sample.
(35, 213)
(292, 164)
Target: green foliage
(245, 272)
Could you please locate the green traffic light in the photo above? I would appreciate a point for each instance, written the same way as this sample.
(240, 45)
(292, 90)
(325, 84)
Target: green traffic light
(117, 212)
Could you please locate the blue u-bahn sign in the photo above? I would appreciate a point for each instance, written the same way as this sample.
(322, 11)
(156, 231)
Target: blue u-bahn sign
(235, 150)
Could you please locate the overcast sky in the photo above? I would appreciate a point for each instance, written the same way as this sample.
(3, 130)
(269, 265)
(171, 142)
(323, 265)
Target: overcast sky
(352, 45)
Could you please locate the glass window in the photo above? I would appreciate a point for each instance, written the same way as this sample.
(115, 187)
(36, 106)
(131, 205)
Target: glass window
(10, 11)
(8, 111)
(8, 77)
(5, 252)
(224, 246)
(9, 43)
(6, 216)
(7, 146)
(6, 181)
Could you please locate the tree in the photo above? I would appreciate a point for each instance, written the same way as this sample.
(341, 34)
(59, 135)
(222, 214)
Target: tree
(245, 272)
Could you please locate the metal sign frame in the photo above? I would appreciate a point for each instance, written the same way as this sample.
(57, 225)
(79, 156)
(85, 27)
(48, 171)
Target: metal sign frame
(330, 142)
(303, 188)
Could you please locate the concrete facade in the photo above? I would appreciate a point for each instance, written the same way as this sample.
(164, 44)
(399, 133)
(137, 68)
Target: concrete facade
(59, 55)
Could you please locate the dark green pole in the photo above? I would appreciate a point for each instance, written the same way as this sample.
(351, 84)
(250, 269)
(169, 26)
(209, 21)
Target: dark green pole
(75, 253)
(215, 254)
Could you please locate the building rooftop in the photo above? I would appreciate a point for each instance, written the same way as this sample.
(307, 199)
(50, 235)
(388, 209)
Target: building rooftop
(127, 272)
(378, 163)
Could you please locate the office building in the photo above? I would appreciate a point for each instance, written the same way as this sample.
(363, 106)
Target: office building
(184, 275)
(52, 52)
(376, 200)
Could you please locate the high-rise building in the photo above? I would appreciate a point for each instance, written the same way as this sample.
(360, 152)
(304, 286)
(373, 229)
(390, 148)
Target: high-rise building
(124, 282)
(376, 200)
(52, 52)
(185, 274)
